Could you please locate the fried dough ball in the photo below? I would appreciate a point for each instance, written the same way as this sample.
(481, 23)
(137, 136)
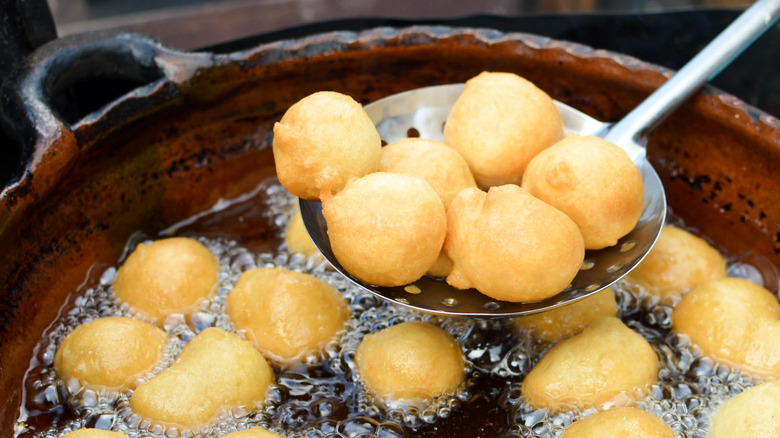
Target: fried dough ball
(563, 322)
(94, 433)
(323, 140)
(594, 182)
(255, 432)
(215, 372)
(411, 363)
(110, 353)
(296, 237)
(733, 320)
(753, 413)
(604, 365)
(435, 162)
(167, 276)
(620, 422)
(511, 246)
(442, 266)
(678, 262)
(499, 123)
(386, 229)
(286, 314)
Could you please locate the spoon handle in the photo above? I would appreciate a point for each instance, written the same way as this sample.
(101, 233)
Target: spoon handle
(703, 67)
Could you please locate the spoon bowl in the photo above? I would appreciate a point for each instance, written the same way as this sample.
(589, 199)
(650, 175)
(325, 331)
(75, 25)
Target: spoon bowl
(422, 113)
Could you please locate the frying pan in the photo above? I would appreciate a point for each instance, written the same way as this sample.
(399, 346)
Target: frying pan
(182, 130)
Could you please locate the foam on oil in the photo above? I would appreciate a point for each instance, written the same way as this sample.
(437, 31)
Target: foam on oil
(322, 396)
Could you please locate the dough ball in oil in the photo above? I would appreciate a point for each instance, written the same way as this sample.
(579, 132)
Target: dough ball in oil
(563, 322)
(296, 238)
(753, 413)
(620, 422)
(411, 363)
(386, 229)
(678, 262)
(735, 321)
(594, 182)
(286, 314)
(438, 164)
(110, 353)
(499, 123)
(511, 246)
(167, 276)
(255, 432)
(215, 372)
(323, 141)
(606, 364)
(94, 433)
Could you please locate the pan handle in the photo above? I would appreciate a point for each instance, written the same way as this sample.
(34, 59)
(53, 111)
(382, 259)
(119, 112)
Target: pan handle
(73, 87)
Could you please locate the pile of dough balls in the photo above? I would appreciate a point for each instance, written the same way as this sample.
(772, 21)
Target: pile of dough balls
(506, 204)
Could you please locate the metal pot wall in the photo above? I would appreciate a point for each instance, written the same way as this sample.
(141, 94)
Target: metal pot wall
(122, 135)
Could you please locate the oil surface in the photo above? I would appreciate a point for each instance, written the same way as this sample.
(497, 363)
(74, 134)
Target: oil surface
(323, 397)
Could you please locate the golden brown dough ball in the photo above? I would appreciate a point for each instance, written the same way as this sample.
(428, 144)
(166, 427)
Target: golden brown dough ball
(499, 123)
(215, 372)
(110, 353)
(286, 314)
(167, 276)
(386, 229)
(435, 162)
(511, 246)
(620, 422)
(594, 182)
(442, 266)
(563, 322)
(255, 432)
(323, 141)
(734, 320)
(297, 238)
(753, 413)
(678, 262)
(607, 362)
(411, 362)
(94, 433)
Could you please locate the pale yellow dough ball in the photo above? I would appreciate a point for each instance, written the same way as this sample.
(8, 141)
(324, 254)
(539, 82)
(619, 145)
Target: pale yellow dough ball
(620, 422)
(411, 362)
(297, 239)
(435, 162)
(167, 276)
(321, 142)
(499, 123)
(594, 182)
(386, 229)
(215, 372)
(563, 322)
(286, 314)
(110, 353)
(678, 262)
(606, 364)
(735, 321)
(94, 433)
(511, 246)
(753, 413)
(255, 432)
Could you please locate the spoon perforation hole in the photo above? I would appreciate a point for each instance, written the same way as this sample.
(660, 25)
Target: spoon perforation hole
(592, 287)
(492, 305)
(587, 265)
(614, 268)
(628, 246)
(412, 289)
(403, 301)
(450, 302)
(412, 132)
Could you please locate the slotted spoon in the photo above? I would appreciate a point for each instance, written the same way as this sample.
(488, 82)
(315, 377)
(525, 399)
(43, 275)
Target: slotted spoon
(426, 109)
